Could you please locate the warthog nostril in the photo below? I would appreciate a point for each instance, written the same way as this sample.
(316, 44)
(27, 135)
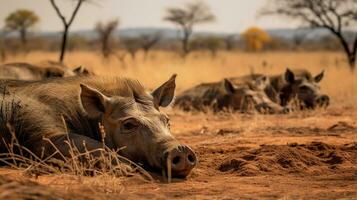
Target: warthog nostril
(191, 159)
(324, 98)
(176, 160)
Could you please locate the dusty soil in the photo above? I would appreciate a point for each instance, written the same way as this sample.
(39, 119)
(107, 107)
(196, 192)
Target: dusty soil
(304, 155)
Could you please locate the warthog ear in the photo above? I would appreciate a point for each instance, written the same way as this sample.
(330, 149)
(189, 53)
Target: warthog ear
(78, 70)
(289, 76)
(164, 94)
(93, 101)
(228, 86)
(81, 71)
(319, 77)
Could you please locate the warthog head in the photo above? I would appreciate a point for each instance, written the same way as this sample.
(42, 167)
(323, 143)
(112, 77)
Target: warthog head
(305, 89)
(135, 125)
(244, 98)
(63, 71)
(82, 71)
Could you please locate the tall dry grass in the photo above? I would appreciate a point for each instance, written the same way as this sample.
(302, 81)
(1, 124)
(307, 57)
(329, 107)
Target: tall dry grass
(199, 67)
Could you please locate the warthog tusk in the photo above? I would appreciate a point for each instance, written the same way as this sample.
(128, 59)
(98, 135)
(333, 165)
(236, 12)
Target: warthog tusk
(168, 163)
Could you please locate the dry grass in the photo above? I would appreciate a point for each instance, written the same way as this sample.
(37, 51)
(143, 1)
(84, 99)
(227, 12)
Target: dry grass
(201, 67)
(109, 170)
(204, 131)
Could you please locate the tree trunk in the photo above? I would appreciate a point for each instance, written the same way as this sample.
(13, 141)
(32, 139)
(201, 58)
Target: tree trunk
(23, 36)
(105, 46)
(64, 43)
(146, 52)
(352, 61)
(350, 54)
(185, 45)
(185, 41)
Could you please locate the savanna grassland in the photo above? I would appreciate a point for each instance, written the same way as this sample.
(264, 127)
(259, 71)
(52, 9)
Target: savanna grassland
(302, 155)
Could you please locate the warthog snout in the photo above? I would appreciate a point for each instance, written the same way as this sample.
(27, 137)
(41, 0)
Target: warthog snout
(181, 159)
(322, 101)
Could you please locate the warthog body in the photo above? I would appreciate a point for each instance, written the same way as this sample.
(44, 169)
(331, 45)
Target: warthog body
(25, 71)
(130, 116)
(240, 95)
(258, 82)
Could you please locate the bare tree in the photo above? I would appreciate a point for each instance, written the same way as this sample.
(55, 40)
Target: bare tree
(66, 24)
(229, 41)
(333, 15)
(186, 18)
(148, 41)
(105, 32)
(131, 45)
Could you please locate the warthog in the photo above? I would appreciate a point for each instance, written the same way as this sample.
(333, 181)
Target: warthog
(130, 115)
(25, 71)
(296, 84)
(80, 70)
(226, 94)
(300, 85)
(258, 82)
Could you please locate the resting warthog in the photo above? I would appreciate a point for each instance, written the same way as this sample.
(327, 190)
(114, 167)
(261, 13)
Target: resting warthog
(130, 115)
(25, 71)
(300, 85)
(225, 94)
(293, 84)
(258, 82)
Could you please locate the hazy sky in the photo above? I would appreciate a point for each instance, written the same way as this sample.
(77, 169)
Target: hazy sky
(231, 15)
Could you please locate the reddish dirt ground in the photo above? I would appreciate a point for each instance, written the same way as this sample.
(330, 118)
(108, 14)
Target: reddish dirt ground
(304, 155)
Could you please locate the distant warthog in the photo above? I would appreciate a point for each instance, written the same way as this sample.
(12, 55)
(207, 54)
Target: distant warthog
(298, 84)
(258, 82)
(240, 96)
(25, 71)
(302, 86)
(79, 71)
(130, 115)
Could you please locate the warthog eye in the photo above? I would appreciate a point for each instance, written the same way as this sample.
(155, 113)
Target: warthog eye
(129, 125)
(166, 121)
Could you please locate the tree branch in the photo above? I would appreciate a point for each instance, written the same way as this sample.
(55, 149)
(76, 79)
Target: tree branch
(60, 15)
(75, 12)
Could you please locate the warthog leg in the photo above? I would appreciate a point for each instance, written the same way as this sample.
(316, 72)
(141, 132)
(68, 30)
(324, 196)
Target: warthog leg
(67, 144)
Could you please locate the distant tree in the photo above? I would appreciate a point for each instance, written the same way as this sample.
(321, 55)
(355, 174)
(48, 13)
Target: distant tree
(148, 41)
(336, 16)
(66, 24)
(131, 45)
(209, 43)
(255, 38)
(105, 32)
(229, 41)
(21, 20)
(299, 37)
(186, 18)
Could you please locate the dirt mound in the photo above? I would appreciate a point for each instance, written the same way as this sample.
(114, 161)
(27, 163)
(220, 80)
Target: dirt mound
(313, 158)
(25, 189)
(20, 187)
